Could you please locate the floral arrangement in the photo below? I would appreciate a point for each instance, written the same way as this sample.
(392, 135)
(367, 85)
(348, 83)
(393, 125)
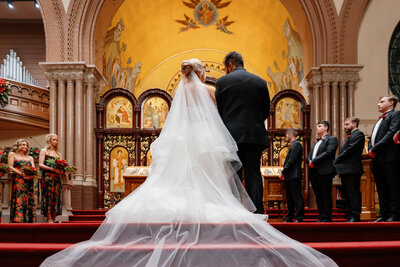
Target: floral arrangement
(3, 169)
(60, 164)
(4, 91)
(4, 154)
(34, 152)
(28, 170)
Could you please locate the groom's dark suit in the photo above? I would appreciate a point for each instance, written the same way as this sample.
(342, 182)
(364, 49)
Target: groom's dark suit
(293, 174)
(349, 166)
(243, 103)
(385, 165)
(321, 177)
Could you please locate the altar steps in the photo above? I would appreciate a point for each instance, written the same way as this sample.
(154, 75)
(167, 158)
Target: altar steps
(349, 244)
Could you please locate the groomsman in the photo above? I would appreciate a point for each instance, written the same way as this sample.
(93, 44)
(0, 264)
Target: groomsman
(386, 159)
(320, 160)
(291, 175)
(349, 167)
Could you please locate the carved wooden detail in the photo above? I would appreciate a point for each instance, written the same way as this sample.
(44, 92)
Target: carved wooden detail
(28, 105)
(135, 139)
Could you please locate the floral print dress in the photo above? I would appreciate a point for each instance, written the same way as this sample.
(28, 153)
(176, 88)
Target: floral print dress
(51, 192)
(23, 197)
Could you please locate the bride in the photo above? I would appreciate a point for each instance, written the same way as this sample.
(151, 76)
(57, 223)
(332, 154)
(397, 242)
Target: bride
(192, 210)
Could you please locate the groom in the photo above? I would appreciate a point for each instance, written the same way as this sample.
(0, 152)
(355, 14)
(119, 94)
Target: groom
(243, 103)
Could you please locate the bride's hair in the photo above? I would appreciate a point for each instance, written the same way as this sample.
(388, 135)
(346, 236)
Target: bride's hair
(194, 65)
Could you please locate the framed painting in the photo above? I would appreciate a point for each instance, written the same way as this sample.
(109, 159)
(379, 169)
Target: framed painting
(118, 163)
(119, 113)
(287, 113)
(154, 112)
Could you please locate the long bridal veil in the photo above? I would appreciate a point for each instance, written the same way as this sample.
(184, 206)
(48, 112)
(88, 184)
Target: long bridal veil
(192, 209)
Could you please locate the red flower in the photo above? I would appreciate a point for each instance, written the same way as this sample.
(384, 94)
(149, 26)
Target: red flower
(2, 82)
(348, 136)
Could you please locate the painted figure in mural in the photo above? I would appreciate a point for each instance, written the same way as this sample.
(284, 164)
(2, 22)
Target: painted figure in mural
(206, 14)
(112, 48)
(292, 75)
(119, 113)
(22, 208)
(132, 75)
(287, 114)
(119, 164)
(155, 112)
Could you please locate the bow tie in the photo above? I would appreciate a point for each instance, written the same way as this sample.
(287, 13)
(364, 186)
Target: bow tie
(382, 116)
(320, 139)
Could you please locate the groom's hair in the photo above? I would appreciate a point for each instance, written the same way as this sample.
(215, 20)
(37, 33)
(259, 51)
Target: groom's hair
(235, 58)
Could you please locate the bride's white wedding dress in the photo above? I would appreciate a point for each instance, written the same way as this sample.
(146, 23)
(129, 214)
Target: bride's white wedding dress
(192, 210)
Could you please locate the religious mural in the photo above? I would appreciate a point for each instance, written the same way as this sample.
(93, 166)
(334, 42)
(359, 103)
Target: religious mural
(205, 13)
(119, 113)
(287, 113)
(290, 76)
(118, 72)
(118, 163)
(154, 112)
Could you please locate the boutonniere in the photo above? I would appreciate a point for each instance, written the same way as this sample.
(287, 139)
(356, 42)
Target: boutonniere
(382, 116)
(348, 136)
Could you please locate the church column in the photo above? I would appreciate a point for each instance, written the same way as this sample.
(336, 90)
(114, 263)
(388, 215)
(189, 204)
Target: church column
(61, 116)
(350, 97)
(343, 108)
(53, 105)
(79, 148)
(89, 136)
(326, 101)
(69, 155)
(336, 125)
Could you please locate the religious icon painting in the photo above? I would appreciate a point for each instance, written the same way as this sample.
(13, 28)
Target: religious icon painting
(154, 112)
(119, 113)
(149, 158)
(282, 155)
(287, 114)
(119, 159)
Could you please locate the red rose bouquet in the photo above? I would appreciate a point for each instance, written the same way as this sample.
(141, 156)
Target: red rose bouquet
(28, 171)
(3, 169)
(60, 164)
(4, 91)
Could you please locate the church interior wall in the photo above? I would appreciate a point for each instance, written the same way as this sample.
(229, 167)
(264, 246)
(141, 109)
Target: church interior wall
(8, 137)
(377, 26)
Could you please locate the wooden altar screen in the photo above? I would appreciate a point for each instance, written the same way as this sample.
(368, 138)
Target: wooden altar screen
(288, 109)
(126, 127)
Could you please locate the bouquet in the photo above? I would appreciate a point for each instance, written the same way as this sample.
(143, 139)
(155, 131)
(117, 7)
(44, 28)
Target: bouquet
(28, 170)
(60, 164)
(3, 169)
(4, 91)
(34, 152)
(4, 154)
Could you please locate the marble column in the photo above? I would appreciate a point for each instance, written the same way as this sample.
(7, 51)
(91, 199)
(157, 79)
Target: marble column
(69, 139)
(79, 147)
(53, 106)
(326, 101)
(336, 125)
(350, 97)
(89, 134)
(61, 116)
(343, 108)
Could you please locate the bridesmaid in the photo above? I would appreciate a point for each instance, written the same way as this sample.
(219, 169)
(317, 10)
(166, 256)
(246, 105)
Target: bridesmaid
(23, 196)
(51, 179)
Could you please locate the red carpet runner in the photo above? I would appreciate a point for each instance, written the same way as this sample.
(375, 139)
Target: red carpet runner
(349, 244)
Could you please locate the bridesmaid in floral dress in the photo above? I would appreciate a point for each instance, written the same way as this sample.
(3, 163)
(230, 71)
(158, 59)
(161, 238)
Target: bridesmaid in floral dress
(51, 179)
(23, 196)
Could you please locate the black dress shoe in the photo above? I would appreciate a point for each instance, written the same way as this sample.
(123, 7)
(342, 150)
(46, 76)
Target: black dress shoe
(298, 220)
(380, 219)
(353, 220)
(393, 219)
(288, 220)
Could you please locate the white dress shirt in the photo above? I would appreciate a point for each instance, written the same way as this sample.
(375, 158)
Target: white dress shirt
(316, 148)
(375, 131)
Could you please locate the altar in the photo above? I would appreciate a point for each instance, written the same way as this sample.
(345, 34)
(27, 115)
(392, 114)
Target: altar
(274, 196)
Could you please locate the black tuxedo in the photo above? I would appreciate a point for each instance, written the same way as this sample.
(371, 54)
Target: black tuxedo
(349, 166)
(385, 166)
(321, 177)
(293, 174)
(243, 103)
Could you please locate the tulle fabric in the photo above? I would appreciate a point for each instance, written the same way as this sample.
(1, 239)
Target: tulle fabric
(192, 210)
